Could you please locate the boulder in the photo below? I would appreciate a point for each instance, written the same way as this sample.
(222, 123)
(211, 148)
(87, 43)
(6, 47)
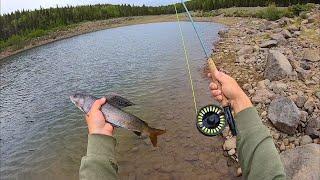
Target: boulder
(311, 55)
(302, 162)
(286, 33)
(305, 140)
(278, 67)
(313, 127)
(279, 38)
(262, 95)
(284, 115)
(269, 44)
(245, 50)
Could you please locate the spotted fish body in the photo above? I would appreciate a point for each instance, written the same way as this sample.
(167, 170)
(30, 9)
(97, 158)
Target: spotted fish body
(116, 116)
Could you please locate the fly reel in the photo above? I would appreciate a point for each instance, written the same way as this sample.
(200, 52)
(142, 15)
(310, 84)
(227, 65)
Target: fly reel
(211, 120)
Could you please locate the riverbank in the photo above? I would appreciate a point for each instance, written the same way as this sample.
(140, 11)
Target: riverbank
(277, 63)
(87, 27)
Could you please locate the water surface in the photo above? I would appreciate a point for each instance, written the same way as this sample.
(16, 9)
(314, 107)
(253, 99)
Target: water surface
(43, 136)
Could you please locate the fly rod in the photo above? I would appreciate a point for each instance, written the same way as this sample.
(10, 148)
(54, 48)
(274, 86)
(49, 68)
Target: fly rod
(211, 119)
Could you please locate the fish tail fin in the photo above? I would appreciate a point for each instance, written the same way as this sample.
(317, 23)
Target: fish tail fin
(153, 133)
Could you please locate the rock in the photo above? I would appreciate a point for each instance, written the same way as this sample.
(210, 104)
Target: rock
(223, 32)
(311, 55)
(282, 147)
(269, 44)
(303, 116)
(312, 19)
(309, 105)
(317, 94)
(305, 140)
(297, 33)
(286, 141)
(316, 141)
(303, 74)
(313, 127)
(276, 136)
(302, 162)
(230, 144)
(239, 172)
(262, 96)
(296, 142)
(231, 152)
(278, 67)
(245, 50)
(293, 28)
(279, 38)
(286, 33)
(284, 115)
(247, 86)
(299, 99)
(278, 87)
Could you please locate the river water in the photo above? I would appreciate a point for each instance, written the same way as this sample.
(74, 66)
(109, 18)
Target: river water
(44, 136)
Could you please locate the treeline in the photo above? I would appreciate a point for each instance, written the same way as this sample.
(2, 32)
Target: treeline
(33, 23)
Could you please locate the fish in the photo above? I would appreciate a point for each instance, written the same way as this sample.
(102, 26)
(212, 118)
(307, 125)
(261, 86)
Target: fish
(113, 113)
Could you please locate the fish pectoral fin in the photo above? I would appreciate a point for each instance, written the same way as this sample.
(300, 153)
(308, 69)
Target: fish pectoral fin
(137, 133)
(118, 101)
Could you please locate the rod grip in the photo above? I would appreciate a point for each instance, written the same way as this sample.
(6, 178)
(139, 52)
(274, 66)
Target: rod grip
(213, 69)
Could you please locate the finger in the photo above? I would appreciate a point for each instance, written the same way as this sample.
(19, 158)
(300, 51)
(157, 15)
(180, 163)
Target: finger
(213, 86)
(216, 93)
(209, 75)
(218, 98)
(221, 77)
(98, 103)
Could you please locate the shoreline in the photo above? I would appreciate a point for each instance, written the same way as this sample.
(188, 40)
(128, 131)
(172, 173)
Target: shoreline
(93, 26)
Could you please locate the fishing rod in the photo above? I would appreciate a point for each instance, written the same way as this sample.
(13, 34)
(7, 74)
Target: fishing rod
(211, 119)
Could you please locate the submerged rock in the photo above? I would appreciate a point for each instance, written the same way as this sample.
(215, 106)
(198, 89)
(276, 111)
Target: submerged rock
(302, 162)
(278, 67)
(284, 115)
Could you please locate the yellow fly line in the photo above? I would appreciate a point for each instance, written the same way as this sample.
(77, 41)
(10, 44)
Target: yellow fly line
(187, 61)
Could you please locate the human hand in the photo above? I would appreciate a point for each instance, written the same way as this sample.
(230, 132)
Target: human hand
(96, 121)
(231, 90)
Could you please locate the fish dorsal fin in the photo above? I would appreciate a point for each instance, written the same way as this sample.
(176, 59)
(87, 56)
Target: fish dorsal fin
(118, 101)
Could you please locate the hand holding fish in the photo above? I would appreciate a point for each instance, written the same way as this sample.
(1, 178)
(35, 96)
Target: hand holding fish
(96, 121)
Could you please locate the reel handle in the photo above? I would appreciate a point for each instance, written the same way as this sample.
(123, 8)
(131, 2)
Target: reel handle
(225, 103)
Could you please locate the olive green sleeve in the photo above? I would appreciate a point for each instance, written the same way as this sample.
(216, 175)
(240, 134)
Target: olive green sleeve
(99, 163)
(258, 156)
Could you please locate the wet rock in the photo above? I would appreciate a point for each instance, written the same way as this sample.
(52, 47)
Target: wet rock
(286, 33)
(230, 144)
(305, 140)
(269, 44)
(284, 115)
(245, 50)
(311, 55)
(313, 127)
(278, 67)
(302, 162)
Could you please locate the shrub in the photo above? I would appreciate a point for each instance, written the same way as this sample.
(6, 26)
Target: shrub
(271, 13)
(36, 33)
(16, 41)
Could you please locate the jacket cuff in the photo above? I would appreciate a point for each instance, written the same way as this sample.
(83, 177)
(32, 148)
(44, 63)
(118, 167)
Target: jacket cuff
(101, 145)
(248, 118)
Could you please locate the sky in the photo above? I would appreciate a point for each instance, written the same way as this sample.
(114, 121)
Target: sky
(8, 6)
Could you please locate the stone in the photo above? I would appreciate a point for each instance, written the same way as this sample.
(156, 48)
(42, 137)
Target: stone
(278, 87)
(282, 147)
(276, 136)
(312, 55)
(269, 44)
(279, 38)
(299, 99)
(231, 152)
(303, 74)
(284, 115)
(239, 172)
(303, 116)
(286, 33)
(313, 127)
(247, 86)
(309, 105)
(223, 32)
(302, 162)
(278, 67)
(293, 28)
(305, 140)
(286, 141)
(230, 144)
(317, 94)
(246, 50)
(296, 142)
(262, 96)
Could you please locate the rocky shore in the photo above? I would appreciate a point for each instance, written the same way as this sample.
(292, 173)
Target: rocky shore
(277, 63)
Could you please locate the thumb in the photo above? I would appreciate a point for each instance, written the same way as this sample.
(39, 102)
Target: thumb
(221, 77)
(98, 103)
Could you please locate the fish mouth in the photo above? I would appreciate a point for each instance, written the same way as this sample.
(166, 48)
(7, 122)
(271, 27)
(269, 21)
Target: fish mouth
(72, 99)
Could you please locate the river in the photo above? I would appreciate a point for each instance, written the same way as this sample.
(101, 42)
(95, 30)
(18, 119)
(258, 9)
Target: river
(44, 136)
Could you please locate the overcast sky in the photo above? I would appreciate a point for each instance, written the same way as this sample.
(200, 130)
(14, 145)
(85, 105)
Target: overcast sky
(8, 6)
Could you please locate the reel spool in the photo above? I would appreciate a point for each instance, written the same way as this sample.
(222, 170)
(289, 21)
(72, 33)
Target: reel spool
(211, 120)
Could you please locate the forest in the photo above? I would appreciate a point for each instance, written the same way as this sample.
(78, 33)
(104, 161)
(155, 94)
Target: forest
(30, 24)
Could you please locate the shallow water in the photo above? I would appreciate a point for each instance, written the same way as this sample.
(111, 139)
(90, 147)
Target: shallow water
(44, 136)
